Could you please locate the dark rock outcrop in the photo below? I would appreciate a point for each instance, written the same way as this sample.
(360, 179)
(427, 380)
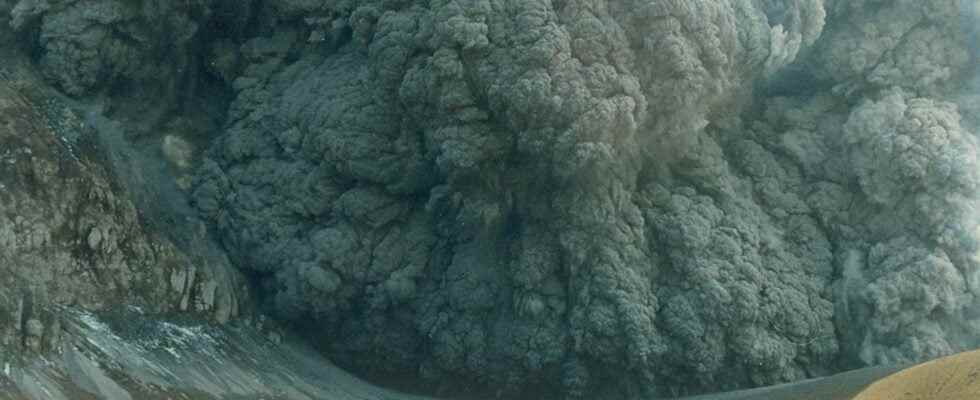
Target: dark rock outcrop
(71, 236)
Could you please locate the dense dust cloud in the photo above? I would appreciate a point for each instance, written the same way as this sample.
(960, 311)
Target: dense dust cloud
(580, 198)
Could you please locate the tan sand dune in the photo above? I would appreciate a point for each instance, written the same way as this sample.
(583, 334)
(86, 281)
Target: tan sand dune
(951, 378)
(956, 377)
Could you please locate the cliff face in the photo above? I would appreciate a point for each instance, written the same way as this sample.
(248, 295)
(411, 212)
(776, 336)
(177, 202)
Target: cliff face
(96, 300)
(581, 198)
(71, 236)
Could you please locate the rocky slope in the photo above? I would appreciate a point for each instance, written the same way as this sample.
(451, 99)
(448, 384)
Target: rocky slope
(96, 302)
(131, 355)
(533, 198)
(71, 236)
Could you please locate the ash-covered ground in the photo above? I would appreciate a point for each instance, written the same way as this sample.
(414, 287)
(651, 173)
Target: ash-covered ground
(580, 199)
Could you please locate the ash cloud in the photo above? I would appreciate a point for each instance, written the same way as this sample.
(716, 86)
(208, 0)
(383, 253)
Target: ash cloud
(567, 196)
(970, 97)
(971, 15)
(594, 198)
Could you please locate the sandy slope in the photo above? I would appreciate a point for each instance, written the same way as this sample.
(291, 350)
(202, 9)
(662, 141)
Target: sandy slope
(951, 378)
(955, 377)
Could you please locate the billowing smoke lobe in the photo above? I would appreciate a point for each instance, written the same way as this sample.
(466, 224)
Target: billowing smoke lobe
(501, 214)
(971, 25)
(589, 199)
(572, 200)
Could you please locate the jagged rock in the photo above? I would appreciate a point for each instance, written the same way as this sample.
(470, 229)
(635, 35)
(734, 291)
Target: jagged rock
(70, 236)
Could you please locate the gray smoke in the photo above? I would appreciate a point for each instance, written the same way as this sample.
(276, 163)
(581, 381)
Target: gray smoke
(971, 16)
(590, 198)
(550, 193)
(970, 100)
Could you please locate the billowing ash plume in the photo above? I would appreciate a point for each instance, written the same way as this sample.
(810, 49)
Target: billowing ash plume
(569, 196)
(970, 102)
(970, 10)
(592, 198)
